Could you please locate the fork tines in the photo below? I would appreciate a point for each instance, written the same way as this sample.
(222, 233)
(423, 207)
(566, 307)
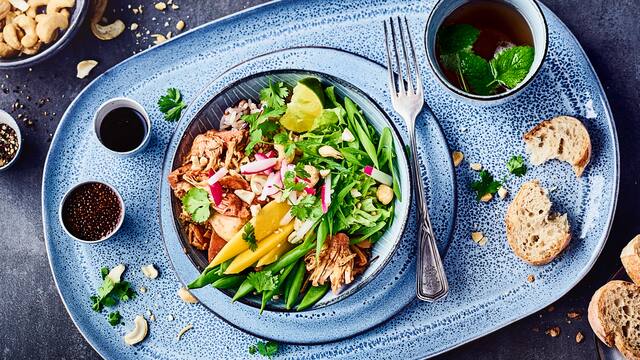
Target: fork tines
(401, 82)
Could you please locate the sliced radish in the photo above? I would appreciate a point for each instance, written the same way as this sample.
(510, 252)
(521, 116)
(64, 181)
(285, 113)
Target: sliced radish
(215, 177)
(261, 156)
(286, 218)
(216, 193)
(325, 194)
(293, 198)
(310, 190)
(304, 229)
(258, 166)
(271, 154)
(272, 186)
(378, 175)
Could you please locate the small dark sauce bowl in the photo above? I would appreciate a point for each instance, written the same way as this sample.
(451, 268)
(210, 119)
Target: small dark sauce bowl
(122, 103)
(64, 203)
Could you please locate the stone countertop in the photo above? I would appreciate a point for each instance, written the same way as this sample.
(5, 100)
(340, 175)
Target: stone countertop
(33, 321)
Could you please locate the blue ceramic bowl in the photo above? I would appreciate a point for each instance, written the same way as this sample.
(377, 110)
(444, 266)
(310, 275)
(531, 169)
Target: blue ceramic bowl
(208, 117)
(78, 15)
(530, 11)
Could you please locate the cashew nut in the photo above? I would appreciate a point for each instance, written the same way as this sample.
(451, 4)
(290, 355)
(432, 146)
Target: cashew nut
(20, 5)
(116, 273)
(149, 271)
(328, 151)
(5, 8)
(186, 296)
(104, 32)
(244, 195)
(11, 35)
(28, 26)
(84, 67)
(314, 175)
(6, 51)
(384, 194)
(49, 24)
(55, 6)
(34, 5)
(32, 50)
(138, 333)
(257, 183)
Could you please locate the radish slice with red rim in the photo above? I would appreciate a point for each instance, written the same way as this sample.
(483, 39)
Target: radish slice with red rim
(258, 166)
(378, 175)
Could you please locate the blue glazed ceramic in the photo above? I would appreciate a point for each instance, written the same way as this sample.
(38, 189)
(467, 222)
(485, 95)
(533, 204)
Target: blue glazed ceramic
(219, 96)
(488, 284)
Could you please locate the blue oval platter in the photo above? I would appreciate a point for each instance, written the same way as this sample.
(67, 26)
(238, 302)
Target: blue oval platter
(382, 319)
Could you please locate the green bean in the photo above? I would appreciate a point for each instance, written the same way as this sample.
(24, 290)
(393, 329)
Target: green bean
(207, 277)
(385, 147)
(312, 296)
(296, 284)
(268, 295)
(245, 288)
(293, 255)
(323, 231)
(228, 282)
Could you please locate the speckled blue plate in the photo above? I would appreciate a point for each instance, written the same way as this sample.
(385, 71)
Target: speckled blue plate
(488, 284)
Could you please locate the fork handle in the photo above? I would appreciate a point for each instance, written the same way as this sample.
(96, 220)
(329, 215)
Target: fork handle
(431, 279)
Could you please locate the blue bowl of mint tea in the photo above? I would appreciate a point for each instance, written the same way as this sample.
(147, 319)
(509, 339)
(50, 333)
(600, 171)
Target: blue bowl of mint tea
(485, 51)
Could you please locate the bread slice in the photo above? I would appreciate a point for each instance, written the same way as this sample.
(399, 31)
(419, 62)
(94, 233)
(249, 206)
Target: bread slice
(630, 257)
(534, 233)
(564, 138)
(614, 316)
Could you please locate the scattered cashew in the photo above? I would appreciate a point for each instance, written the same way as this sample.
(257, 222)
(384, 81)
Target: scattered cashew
(116, 273)
(84, 67)
(138, 333)
(28, 26)
(314, 175)
(328, 151)
(104, 32)
(186, 296)
(11, 37)
(244, 195)
(149, 271)
(49, 24)
(57, 5)
(5, 8)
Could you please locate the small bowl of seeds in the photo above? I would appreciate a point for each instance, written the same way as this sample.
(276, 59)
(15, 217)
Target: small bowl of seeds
(91, 212)
(10, 140)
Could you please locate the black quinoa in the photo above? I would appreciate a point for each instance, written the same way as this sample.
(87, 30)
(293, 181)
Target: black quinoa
(91, 211)
(8, 144)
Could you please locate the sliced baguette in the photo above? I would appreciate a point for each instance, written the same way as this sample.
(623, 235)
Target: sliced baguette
(534, 233)
(614, 316)
(630, 257)
(564, 138)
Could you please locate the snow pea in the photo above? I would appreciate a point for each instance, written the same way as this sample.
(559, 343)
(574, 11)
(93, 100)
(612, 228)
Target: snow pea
(295, 285)
(207, 277)
(268, 295)
(313, 295)
(228, 282)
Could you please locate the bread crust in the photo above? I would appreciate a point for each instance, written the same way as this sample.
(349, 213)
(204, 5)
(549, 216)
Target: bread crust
(543, 126)
(631, 259)
(512, 239)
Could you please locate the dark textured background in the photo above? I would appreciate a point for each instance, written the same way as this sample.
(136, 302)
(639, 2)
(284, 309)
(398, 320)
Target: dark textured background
(33, 321)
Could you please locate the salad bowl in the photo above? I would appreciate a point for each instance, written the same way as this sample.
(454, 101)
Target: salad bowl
(208, 110)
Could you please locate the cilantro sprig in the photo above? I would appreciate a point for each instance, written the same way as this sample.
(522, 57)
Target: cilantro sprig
(267, 349)
(196, 203)
(507, 69)
(263, 281)
(486, 185)
(274, 94)
(109, 293)
(171, 104)
(516, 165)
(114, 318)
(248, 235)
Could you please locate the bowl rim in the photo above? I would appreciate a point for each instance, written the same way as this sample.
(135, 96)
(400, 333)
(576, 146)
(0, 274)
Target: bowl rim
(324, 76)
(66, 196)
(81, 8)
(486, 99)
(6, 118)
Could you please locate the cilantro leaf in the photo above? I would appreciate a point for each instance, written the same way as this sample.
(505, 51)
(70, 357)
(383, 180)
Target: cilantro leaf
(306, 208)
(263, 281)
(171, 104)
(510, 66)
(274, 94)
(517, 166)
(248, 235)
(267, 349)
(114, 318)
(477, 73)
(486, 185)
(104, 271)
(196, 203)
(456, 38)
(123, 291)
(260, 126)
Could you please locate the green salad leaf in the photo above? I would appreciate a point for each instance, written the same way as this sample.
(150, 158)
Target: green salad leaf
(196, 203)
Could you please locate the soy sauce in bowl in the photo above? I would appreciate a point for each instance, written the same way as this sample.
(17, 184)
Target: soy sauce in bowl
(123, 129)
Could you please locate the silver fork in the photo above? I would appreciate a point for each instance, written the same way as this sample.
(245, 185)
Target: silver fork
(408, 100)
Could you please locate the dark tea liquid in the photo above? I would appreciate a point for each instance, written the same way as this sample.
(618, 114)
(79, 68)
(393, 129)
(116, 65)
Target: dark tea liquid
(123, 129)
(500, 25)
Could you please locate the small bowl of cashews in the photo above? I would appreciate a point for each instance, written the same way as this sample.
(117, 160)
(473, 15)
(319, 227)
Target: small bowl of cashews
(34, 30)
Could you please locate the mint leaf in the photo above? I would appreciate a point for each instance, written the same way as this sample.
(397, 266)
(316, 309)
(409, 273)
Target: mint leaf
(516, 166)
(477, 73)
(486, 185)
(510, 66)
(196, 203)
(456, 38)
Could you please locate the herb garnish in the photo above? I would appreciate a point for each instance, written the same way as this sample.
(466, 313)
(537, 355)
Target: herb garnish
(486, 185)
(307, 207)
(114, 318)
(249, 236)
(196, 203)
(263, 281)
(274, 94)
(171, 104)
(267, 349)
(516, 166)
(260, 126)
(507, 68)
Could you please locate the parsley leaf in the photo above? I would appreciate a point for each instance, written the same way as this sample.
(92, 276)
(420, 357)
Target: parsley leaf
(249, 236)
(171, 104)
(263, 281)
(274, 94)
(510, 66)
(196, 203)
(114, 318)
(516, 166)
(477, 73)
(267, 349)
(486, 185)
(456, 38)
(307, 207)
